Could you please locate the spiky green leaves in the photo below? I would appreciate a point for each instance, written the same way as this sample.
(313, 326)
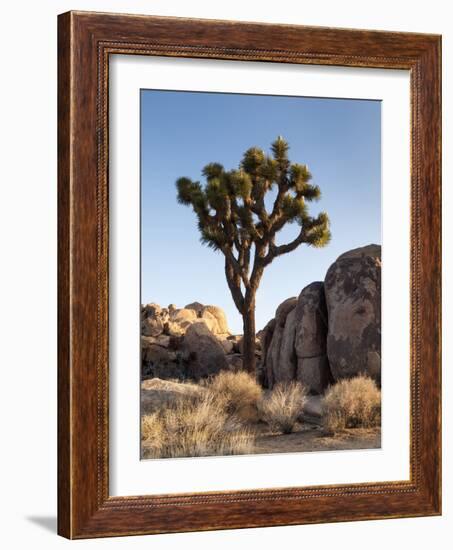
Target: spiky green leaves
(294, 208)
(239, 184)
(269, 169)
(317, 231)
(280, 149)
(216, 194)
(211, 236)
(311, 192)
(190, 192)
(299, 176)
(212, 170)
(252, 160)
(231, 209)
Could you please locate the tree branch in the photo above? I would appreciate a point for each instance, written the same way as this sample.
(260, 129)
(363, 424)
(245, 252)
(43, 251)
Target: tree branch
(234, 284)
(235, 265)
(275, 251)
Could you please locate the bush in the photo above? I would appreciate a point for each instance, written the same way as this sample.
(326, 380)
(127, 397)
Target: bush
(353, 403)
(282, 407)
(197, 426)
(237, 392)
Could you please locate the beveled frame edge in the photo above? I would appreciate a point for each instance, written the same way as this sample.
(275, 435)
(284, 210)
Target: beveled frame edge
(85, 41)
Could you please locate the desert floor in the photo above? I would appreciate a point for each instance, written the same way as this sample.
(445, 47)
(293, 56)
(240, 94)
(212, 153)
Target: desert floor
(310, 437)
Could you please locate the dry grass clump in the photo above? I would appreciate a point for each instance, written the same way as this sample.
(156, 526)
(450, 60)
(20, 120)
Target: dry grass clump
(197, 426)
(238, 392)
(282, 407)
(353, 403)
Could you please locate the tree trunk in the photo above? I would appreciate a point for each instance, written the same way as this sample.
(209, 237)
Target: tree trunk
(248, 357)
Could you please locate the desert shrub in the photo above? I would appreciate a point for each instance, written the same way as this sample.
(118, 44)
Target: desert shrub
(237, 392)
(194, 427)
(282, 407)
(353, 403)
(152, 429)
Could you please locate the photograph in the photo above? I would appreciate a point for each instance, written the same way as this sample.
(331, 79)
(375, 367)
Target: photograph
(227, 226)
(260, 274)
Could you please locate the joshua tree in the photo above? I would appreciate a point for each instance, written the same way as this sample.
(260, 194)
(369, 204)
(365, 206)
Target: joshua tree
(233, 218)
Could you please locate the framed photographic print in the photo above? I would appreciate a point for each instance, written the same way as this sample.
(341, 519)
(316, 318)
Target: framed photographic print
(249, 275)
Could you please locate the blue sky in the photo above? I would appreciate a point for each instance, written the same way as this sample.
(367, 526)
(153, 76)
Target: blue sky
(339, 140)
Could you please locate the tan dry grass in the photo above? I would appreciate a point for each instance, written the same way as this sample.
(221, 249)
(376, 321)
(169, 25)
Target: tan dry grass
(353, 403)
(282, 407)
(238, 393)
(194, 427)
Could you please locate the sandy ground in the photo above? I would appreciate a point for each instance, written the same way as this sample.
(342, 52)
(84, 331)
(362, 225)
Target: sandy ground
(310, 437)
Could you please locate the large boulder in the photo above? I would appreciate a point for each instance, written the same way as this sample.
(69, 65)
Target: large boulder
(203, 351)
(278, 369)
(235, 363)
(283, 309)
(286, 371)
(153, 320)
(154, 311)
(353, 296)
(294, 343)
(161, 358)
(217, 317)
(227, 345)
(214, 317)
(183, 316)
(196, 306)
(161, 340)
(154, 352)
(265, 373)
(310, 339)
(179, 321)
(152, 326)
(156, 393)
(210, 321)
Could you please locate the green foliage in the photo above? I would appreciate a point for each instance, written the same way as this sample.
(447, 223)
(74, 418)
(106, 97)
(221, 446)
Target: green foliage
(280, 151)
(318, 231)
(294, 208)
(231, 210)
(269, 169)
(216, 194)
(253, 159)
(239, 184)
(212, 170)
(211, 237)
(299, 175)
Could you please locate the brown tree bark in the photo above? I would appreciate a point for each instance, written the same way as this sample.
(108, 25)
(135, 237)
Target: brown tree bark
(249, 344)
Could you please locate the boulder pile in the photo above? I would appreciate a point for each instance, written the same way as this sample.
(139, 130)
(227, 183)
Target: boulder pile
(188, 343)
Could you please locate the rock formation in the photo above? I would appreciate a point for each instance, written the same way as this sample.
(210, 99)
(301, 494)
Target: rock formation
(353, 296)
(310, 339)
(192, 342)
(294, 343)
(277, 333)
(332, 330)
(156, 392)
(203, 351)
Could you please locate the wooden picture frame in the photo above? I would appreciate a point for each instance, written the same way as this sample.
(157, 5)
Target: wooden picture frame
(85, 42)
